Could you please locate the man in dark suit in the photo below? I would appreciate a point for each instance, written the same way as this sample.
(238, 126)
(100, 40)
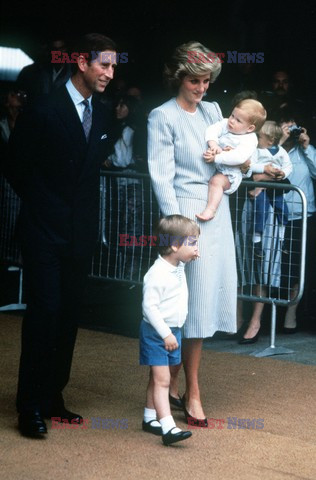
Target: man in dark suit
(43, 76)
(54, 166)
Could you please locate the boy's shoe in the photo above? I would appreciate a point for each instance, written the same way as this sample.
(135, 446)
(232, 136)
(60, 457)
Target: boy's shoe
(170, 437)
(148, 427)
(258, 250)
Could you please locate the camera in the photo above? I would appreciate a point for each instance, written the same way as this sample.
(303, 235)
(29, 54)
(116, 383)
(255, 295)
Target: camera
(295, 131)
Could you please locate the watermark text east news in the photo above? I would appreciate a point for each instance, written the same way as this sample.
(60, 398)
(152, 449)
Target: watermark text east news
(229, 57)
(103, 57)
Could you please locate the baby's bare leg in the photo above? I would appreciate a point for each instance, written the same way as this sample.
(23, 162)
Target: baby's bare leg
(217, 185)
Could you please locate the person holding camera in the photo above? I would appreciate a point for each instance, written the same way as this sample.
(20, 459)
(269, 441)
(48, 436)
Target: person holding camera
(303, 157)
(296, 143)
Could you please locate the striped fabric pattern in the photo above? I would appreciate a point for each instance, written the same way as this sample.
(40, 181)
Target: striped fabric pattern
(180, 180)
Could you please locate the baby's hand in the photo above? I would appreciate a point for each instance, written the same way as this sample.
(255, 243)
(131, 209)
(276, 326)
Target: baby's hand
(209, 156)
(171, 343)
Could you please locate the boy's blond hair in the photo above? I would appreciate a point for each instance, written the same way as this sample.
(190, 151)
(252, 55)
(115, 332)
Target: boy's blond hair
(273, 131)
(175, 230)
(255, 110)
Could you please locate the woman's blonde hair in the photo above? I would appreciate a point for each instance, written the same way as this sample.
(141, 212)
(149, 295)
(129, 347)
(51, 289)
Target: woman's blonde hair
(191, 58)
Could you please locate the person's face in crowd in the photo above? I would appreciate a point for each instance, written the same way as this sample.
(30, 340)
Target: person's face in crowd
(135, 92)
(193, 89)
(121, 110)
(99, 72)
(280, 83)
(239, 123)
(264, 141)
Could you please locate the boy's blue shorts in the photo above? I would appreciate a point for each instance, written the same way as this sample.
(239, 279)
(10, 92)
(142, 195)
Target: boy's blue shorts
(152, 348)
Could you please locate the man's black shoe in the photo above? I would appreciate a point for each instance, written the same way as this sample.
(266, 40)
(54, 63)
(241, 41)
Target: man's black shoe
(64, 415)
(31, 424)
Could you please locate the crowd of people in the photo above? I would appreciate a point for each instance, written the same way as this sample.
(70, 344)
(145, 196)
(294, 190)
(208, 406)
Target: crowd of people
(52, 155)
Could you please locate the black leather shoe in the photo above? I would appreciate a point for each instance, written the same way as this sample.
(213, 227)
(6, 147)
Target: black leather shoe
(170, 437)
(64, 415)
(289, 330)
(31, 424)
(176, 402)
(248, 341)
(148, 427)
(192, 421)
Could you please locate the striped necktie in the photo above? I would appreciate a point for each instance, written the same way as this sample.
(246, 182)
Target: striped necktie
(86, 119)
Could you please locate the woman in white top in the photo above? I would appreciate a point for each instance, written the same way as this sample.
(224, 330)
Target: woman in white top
(180, 178)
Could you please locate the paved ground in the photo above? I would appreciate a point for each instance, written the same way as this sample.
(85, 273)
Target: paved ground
(116, 308)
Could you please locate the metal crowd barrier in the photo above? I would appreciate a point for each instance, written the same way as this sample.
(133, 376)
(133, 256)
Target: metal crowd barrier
(128, 211)
(10, 256)
(125, 249)
(282, 264)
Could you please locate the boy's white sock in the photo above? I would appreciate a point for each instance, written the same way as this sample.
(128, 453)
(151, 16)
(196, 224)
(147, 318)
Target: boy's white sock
(167, 423)
(149, 415)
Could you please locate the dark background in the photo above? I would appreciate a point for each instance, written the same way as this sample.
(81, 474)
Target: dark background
(149, 31)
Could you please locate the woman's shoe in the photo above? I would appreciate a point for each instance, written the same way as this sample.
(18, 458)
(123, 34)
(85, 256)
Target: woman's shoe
(248, 341)
(192, 421)
(176, 402)
(289, 330)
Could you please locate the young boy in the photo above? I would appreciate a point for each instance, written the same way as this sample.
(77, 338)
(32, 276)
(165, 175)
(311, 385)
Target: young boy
(165, 306)
(270, 162)
(231, 142)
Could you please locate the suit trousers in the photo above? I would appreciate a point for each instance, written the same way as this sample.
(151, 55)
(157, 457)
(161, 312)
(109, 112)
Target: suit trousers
(55, 282)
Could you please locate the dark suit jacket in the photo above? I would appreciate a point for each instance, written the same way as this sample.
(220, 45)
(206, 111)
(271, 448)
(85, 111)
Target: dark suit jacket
(37, 79)
(57, 174)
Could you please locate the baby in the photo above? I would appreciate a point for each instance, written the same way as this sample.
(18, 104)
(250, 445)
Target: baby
(231, 142)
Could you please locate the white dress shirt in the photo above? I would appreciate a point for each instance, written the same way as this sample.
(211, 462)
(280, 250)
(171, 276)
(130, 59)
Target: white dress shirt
(77, 98)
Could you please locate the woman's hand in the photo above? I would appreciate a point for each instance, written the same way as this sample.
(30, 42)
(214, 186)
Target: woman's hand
(209, 155)
(244, 167)
(214, 147)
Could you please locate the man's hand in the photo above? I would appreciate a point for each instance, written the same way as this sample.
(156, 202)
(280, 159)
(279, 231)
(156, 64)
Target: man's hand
(171, 343)
(304, 139)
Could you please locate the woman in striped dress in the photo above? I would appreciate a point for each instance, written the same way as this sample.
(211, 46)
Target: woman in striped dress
(180, 178)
